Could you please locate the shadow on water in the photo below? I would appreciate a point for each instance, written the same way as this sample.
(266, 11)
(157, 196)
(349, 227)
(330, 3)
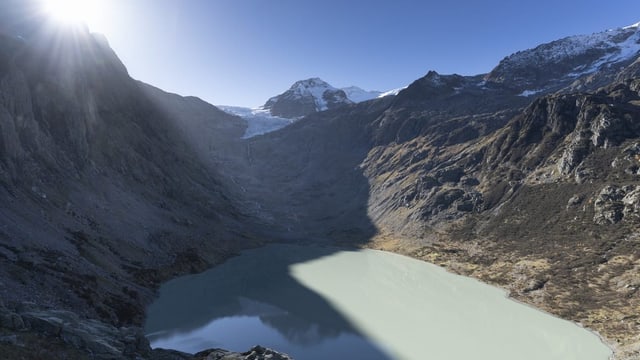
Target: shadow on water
(254, 299)
(304, 186)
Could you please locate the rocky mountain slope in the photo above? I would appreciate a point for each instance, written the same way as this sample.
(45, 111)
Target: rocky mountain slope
(575, 63)
(534, 192)
(526, 177)
(105, 192)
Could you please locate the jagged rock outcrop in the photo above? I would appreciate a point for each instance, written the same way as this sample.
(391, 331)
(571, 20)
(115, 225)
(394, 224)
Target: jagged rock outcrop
(452, 108)
(614, 204)
(255, 353)
(36, 327)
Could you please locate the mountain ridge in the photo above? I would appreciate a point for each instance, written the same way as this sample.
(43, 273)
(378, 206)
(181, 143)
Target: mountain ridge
(311, 95)
(305, 97)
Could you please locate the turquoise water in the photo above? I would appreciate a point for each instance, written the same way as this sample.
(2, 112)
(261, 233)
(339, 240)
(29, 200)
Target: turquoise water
(323, 303)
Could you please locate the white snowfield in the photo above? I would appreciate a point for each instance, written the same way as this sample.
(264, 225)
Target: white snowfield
(259, 121)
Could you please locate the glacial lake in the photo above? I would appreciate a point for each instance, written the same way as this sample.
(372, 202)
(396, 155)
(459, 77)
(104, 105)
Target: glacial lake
(325, 303)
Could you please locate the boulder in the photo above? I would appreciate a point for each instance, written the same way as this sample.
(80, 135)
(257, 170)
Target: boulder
(608, 205)
(255, 353)
(615, 203)
(101, 340)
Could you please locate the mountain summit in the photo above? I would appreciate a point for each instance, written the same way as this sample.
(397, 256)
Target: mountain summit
(306, 97)
(555, 65)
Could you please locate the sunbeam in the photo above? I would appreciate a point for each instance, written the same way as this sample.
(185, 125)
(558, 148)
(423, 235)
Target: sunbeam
(71, 12)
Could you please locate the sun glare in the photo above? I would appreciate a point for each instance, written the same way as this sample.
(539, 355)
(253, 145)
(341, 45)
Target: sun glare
(71, 11)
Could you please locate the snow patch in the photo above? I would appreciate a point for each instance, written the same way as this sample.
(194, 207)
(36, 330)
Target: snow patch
(315, 88)
(619, 44)
(259, 121)
(393, 92)
(528, 93)
(358, 95)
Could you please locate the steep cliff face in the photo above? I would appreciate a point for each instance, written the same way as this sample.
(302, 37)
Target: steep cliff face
(100, 193)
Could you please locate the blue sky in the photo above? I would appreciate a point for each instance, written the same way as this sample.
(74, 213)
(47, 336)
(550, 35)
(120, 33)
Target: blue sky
(241, 52)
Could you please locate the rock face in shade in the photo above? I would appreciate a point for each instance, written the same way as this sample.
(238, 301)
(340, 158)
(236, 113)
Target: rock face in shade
(96, 175)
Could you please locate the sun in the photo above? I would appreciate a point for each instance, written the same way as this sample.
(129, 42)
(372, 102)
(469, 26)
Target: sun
(70, 11)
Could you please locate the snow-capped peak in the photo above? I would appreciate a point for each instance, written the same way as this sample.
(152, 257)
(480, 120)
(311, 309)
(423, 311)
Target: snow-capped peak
(567, 59)
(315, 88)
(305, 97)
(312, 95)
(312, 83)
(576, 45)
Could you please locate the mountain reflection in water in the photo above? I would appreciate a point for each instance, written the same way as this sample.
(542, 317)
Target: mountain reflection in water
(357, 305)
(253, 299)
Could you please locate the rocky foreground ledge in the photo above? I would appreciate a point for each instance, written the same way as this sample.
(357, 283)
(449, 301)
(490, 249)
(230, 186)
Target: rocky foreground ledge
(29, 332)
(256, 353)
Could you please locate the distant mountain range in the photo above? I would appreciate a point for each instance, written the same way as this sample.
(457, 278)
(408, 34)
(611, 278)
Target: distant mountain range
(574, 63)
(303, 98)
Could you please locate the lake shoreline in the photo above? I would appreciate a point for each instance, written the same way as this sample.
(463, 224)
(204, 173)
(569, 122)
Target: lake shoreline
(386, 244)
(503, 293)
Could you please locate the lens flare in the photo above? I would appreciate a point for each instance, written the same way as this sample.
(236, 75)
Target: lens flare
(70, 11)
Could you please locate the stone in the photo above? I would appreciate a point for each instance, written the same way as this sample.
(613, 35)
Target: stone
(615, 203)
(451, 174)
(469, 181)
(10, 320)
(608, 205)
(631, 203)
(255, 353)
(632, 170)
(262, 353)
(135, 342)
(164, 354)
(9, 339)
(573, 155)
(41, 323)
(102, 340)
(575, 200)
(632, 151)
